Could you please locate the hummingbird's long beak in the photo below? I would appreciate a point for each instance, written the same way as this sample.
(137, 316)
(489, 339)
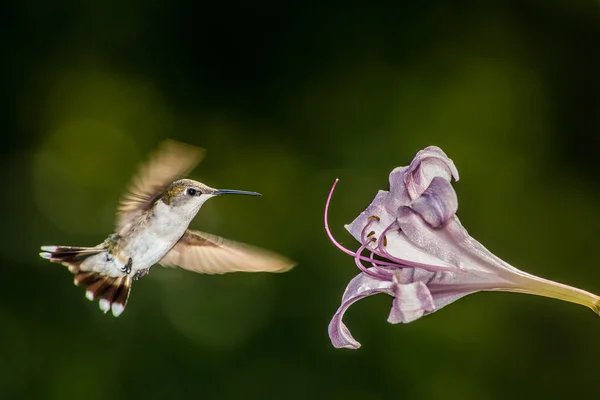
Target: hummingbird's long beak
(219, 192)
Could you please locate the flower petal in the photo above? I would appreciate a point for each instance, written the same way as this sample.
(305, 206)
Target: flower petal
(416, 293)
(407, 253)
(359, 287)
(445, 286)
(428, 163)
(398, 194)
(411, 302)
(453, 245)
(377, 209)
(438, 203)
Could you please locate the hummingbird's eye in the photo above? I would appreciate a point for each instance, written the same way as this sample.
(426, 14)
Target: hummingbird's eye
(192, 192)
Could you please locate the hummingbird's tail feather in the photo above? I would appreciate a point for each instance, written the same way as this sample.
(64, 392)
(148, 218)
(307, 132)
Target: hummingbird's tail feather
(113, 292)
(69, 256)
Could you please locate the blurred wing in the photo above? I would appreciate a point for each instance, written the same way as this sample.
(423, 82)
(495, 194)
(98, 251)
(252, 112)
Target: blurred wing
(210, 254)
(171, 161)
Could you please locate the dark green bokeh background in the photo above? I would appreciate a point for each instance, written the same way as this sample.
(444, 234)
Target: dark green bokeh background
(286, 97)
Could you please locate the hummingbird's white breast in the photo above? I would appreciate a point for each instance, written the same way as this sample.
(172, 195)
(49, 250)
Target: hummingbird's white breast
(155, 237)
(146, 243)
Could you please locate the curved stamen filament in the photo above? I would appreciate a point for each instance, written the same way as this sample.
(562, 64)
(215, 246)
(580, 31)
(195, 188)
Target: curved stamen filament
(375, 272)
(373, 261)
(337, 244)
(377, 264)
(364, 236)
(382, 252)
(380, 249)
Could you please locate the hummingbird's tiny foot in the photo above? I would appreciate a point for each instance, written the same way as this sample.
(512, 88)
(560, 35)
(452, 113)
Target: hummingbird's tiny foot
(141, 273)
(127, 267)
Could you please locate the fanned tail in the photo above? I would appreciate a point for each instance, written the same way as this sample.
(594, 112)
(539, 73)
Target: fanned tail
(112, 292)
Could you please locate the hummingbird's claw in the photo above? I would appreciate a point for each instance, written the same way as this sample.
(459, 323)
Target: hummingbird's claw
(141, 273)
(127, 267)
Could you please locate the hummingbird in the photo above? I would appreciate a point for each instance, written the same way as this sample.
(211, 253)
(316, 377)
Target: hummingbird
(152, 228)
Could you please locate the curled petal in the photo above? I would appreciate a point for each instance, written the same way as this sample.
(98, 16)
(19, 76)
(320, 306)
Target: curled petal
(437, 204)
(411, 302)
(360, 287)
(429, 163)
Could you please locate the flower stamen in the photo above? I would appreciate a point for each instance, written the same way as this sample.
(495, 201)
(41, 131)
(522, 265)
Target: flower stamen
(338, 245)
(377, 273)
(382, 243)
(363, 237)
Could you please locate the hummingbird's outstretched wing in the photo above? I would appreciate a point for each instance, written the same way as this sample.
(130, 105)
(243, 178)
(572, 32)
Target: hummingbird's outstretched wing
(171, 161)
(210, 254)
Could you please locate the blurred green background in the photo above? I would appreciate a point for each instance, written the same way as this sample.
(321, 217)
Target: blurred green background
(286, 97)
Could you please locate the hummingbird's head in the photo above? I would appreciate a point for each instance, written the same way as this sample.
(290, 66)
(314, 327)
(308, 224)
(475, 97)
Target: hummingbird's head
(189, 195)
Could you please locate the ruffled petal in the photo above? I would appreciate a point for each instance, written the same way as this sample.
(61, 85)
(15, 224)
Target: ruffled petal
(411, 302)
(445, 286)
(428, 163)
(437, 204)
(359, 287)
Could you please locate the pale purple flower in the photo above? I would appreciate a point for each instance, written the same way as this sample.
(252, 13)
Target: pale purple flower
(414, 248)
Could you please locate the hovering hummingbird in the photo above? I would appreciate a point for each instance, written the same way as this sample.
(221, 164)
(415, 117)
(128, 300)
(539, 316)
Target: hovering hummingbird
(151, 227)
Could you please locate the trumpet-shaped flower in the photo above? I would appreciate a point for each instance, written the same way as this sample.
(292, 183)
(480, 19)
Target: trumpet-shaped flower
(414, 248)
